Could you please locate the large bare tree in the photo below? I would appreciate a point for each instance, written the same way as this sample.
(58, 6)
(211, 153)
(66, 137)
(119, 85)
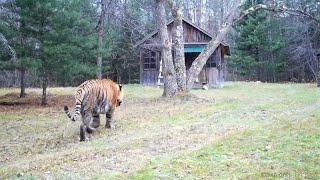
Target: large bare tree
(169, 73)
(178, 47)
(234, 16)
(201, 60)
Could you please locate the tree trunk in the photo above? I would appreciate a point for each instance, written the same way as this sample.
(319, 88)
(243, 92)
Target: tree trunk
(170, 82)
(186, 10)
(178, 49)
(318, 69)
(101, 25)
(44, 82)
(221, 13)
(318, 79)
(201, 60)
(22, 82)
(129, 75)
(198, 12)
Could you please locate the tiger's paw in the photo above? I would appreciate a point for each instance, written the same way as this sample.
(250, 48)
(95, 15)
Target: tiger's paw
(108, 126)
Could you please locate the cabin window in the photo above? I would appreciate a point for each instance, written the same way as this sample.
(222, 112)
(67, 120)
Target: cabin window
(150, 60)
(211, 62)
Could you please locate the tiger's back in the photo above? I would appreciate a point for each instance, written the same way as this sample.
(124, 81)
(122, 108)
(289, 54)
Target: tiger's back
(94, 97)
(100, 95)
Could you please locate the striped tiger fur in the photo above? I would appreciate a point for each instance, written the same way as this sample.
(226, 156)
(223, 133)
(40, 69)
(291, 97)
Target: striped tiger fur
(95, 97)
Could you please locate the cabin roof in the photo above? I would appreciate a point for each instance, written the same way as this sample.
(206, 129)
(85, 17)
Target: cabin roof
(225, 45)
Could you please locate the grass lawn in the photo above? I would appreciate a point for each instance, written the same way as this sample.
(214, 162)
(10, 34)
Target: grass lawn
(242, 131)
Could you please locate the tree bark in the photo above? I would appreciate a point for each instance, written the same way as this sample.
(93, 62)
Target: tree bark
(170, 82)
(44, 81)
(318, 79)
(44, 63)
(278, 9)
(101, 25)
(178, 48)
(318, 70)
(186, 10)
(198, 12)
(22, 73)
(22, 82)
(221, 13)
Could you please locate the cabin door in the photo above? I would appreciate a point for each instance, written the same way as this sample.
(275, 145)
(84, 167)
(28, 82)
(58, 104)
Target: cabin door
(213, 77)
(150, 77)
(202, 77)
(150, 65)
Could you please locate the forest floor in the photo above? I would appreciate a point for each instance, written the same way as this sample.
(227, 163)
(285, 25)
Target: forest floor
(244, 130)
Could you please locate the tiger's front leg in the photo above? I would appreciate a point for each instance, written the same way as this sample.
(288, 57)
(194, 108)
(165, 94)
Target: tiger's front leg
(108, 119)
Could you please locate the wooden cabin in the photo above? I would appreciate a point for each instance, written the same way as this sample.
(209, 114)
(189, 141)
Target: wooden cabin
(195, 40)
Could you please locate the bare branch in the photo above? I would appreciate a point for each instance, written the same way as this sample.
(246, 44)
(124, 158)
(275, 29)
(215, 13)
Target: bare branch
(281, 9)
(12, 52)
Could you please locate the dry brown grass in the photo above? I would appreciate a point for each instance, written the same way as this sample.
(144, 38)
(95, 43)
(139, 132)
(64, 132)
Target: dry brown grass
(32, 100)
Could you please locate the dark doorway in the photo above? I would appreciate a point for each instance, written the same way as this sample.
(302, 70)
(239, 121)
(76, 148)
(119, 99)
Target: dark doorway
(190, 57)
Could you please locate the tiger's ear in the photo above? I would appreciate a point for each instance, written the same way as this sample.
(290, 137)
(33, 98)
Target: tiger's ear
(120, 86)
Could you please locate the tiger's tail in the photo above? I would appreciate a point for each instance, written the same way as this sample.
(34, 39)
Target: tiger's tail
(76, 114)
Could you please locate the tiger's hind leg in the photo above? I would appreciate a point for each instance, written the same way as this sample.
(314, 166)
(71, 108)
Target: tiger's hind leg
(96, 121)
(83, 129)
(89, 122)
(108, 119)
(86, 126)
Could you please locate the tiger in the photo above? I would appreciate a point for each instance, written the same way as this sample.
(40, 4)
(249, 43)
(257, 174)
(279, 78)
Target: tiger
(95, 97)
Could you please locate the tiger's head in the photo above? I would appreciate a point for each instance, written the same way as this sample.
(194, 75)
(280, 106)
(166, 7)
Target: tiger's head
(120, 95)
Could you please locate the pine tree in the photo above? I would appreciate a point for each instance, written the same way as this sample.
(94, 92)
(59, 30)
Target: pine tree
(61, 38)
(259, 47)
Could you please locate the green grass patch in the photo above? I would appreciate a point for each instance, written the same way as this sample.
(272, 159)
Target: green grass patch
(289, 150)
